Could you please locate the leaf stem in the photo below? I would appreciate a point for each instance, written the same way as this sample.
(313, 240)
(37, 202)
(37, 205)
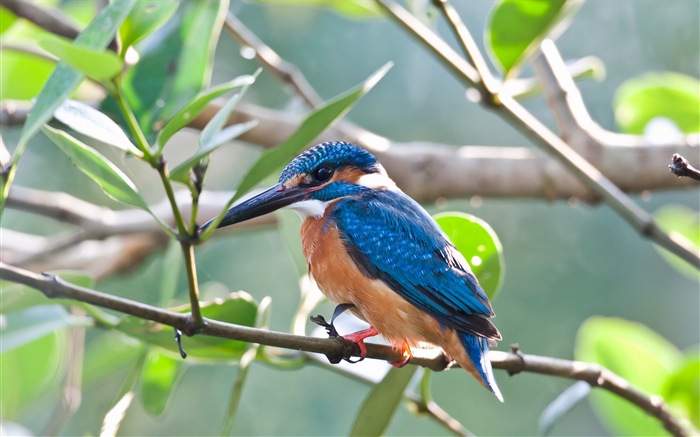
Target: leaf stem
(141, 141)
(196, 321)
(157, 162)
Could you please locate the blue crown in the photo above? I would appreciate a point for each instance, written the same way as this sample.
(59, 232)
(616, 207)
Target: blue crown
(336, 154)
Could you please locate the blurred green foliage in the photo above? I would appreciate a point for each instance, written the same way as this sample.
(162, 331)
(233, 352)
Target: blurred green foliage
(565, 263)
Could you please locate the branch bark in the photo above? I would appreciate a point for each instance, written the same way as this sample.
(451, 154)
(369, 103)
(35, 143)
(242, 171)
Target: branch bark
(54, 21)
(104, 241)
(428, 171)
(513, 362)
(681, 167)
(521, 119)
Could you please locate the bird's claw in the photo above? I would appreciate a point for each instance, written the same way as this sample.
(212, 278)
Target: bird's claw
(330, 328)
(357, 338)
(321, 321)
(406, 356)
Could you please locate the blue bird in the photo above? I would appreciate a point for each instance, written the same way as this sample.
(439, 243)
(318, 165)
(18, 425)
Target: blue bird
(375, 251)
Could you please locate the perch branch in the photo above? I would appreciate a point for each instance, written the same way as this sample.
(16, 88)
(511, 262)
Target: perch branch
(513, 362)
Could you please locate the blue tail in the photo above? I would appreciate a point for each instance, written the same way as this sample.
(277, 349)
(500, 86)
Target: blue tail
(478, 348)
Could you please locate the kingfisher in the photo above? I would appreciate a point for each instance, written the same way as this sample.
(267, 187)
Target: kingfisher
(375, 251)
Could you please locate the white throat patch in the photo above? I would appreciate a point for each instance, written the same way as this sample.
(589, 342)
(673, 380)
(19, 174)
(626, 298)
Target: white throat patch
(309, 208)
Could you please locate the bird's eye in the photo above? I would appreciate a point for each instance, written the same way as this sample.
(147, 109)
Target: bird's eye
(323, 173)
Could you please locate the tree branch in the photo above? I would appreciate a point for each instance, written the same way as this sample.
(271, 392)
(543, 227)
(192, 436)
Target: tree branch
(285, 72)
(334, 348)
(521, 119)
(54, 21)
(125, 237)
(681, 167)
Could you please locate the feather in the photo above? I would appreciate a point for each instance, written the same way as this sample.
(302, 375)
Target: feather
(390, 237)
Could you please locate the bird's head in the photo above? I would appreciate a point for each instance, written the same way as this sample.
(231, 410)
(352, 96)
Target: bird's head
(312, 180)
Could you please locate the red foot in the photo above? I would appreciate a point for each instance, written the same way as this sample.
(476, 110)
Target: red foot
(359, 339)
(407, 355)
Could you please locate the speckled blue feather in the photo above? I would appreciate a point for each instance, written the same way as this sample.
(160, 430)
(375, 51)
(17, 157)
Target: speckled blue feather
(392, 238)
(332, 153)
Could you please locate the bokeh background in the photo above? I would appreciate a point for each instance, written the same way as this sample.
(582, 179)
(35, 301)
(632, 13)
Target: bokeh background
(565, 261)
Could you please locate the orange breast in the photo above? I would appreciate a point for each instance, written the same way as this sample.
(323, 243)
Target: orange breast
(341, 281)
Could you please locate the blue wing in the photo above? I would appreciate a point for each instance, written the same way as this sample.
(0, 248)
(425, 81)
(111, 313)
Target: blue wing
(392, 238)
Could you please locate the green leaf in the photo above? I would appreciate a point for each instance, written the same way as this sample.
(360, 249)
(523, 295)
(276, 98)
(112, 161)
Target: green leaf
(310, 128)
(682, 388)
(671, 95)
(633, 351)
(7, 19)
(98, 64)
(378, 408)
(185, 115)
(108, 353)
(159, 377)
(64, 80)
(16, 297)
(23, 75)
(239, 308)
(122, 401)
(683, 222)
(214, 135)
(357, 9)
(262, 322)
(479, 245)
(30, 371)
(144, 19)
(33, 323)
(170, 74)
(216, 124)
(92, 123)
(182, 171)
(516, 28)
(107, 175)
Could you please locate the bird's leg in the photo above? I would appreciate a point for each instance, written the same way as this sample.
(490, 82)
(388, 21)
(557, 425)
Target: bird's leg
(356, 337)
(359, 339)
(330, 328)
(407, 355)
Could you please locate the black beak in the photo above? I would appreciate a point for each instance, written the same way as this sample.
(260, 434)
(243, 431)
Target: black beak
(268, 201)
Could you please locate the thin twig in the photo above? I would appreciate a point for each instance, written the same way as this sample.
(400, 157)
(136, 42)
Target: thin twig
(531, 127)
(514, 362)
(434, 410)
(449, 58)
(488, 84)
(54, 20)
(681, 167)
(284, 71)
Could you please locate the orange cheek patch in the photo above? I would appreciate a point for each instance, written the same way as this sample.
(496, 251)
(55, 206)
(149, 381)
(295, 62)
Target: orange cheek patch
(348, 174)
